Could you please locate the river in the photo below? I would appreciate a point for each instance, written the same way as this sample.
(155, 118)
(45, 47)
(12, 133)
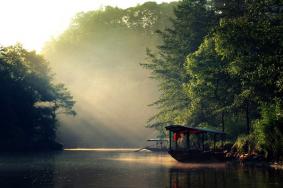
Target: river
(126, 168)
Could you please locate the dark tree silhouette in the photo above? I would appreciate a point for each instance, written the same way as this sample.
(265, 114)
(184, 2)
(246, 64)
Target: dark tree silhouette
(29, 101)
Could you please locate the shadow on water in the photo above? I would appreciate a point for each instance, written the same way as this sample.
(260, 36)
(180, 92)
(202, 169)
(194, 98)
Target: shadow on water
(127, 169)
(27, 170)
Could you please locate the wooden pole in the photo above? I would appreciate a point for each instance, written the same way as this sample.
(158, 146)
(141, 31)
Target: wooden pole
(222, 141)
(222, 121)
(223, 129)
(170, 146)
(188, 141)
(203, 141)
(176, 144)
(214, 142)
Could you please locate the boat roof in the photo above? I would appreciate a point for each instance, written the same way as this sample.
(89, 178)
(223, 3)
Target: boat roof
(192, 130)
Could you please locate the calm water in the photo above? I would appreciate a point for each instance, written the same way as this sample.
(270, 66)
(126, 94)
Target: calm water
(126, 169)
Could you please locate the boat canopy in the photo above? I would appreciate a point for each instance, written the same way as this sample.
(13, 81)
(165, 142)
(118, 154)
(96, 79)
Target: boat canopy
(191, 130)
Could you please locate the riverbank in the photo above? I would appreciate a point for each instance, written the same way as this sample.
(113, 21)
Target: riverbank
(253, 160)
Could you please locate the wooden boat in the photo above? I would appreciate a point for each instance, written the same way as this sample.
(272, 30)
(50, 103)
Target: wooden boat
(190, 144)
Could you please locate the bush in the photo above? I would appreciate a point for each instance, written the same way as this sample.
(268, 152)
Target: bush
(245, 144)
(267, 135)
(268, 131)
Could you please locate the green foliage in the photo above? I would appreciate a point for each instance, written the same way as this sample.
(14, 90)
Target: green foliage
(266, 136)
(29, 100)
(210, 87)
(235, 125)
(268, 131)
(245, 144)
(193, 22)
(220, 62)
(256, 58)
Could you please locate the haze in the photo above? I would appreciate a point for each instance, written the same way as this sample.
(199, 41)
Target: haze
(101, 67)
(98, 58)
(33, 22)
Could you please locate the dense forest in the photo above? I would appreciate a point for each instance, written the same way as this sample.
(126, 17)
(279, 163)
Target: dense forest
(30, 101)
(220, 66)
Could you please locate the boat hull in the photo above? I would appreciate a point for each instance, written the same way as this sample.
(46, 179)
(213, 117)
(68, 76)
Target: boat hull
(197, 156)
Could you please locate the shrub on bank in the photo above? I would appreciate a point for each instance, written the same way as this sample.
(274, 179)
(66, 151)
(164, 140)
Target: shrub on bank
(266, 137)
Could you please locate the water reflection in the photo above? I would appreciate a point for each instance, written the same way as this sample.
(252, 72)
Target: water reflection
(231, 176)
(126, 169)
(29, 170)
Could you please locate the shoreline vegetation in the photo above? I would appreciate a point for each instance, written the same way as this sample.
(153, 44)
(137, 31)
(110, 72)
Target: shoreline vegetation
(218, 64)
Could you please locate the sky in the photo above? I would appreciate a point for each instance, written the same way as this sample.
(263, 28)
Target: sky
(34, 22)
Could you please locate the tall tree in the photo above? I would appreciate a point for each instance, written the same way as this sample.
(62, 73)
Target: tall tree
(194, 20)
(252, 43)
(29, 101)
(211, 88)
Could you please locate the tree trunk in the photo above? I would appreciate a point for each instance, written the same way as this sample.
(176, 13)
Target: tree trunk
(222, 122)
(223, 129)
(248, 117)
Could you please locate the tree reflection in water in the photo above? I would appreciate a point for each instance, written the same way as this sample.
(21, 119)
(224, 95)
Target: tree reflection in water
(231, 176)
(27, 170)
